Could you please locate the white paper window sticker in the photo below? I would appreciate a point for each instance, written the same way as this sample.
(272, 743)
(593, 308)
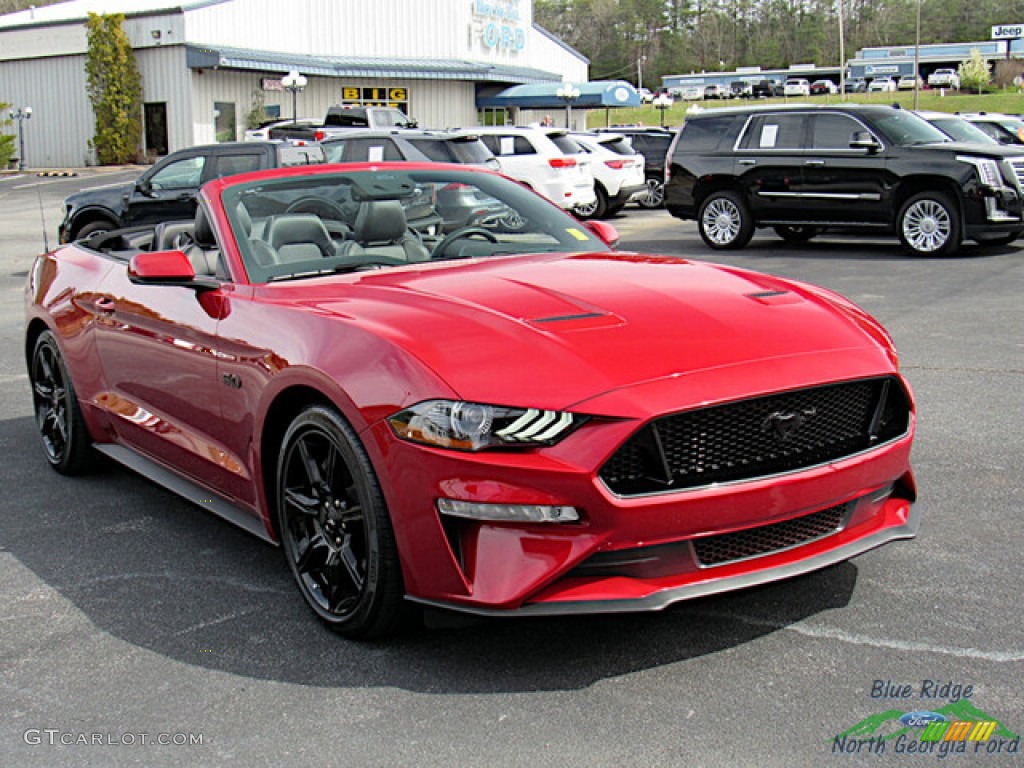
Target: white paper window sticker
(508, 145)
(769, 135)
(376, 154)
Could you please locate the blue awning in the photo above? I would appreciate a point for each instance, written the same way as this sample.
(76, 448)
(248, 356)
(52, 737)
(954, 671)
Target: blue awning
(599, 93)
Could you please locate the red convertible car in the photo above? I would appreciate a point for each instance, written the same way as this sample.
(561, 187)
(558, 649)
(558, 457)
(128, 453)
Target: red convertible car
(425, 404)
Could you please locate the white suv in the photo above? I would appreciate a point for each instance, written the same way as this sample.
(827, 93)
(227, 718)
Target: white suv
(545, 159)
(796, 87)
(618, 173)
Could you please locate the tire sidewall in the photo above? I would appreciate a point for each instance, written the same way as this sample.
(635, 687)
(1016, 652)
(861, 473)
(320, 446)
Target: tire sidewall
(954, 240)
(373, 600)
(746, 227)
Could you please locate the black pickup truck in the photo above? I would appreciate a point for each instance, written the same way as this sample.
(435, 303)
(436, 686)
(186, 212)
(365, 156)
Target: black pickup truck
(343, 118)
(168, 189)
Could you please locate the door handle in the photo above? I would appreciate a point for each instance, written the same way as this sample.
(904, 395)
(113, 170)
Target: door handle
(814, 162)
(186, 197)
(105, 304)
(748, 162)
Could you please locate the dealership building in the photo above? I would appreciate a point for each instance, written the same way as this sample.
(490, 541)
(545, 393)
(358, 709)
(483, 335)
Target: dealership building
(206, 65)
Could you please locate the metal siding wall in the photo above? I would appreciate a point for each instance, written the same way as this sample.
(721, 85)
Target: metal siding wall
(62, 121)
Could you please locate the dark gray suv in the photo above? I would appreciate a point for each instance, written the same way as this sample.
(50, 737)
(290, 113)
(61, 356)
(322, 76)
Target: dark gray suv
(801, 169)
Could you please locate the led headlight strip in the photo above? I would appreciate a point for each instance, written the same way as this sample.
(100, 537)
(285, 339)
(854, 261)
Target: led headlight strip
(476, 426)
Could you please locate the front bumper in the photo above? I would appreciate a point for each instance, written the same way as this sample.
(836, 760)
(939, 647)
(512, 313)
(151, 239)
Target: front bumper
(650, 541)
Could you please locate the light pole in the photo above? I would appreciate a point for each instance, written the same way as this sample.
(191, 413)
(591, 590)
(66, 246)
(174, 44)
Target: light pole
(569, 92)
(842, 56)
(21, 114)
(661, 103)
(917, 51)
(640, 71)
(294, 82)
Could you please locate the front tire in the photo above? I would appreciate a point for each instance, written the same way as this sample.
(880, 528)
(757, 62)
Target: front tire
(929, 225)
(62, 429)
(335, 528)
(100, 227)
(724, 221)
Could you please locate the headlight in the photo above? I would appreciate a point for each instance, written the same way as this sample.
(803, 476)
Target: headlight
(476, 426)
(988, 170)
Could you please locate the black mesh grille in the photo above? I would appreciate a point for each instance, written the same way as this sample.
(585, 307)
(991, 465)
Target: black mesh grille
(758, 437)
(716, 550)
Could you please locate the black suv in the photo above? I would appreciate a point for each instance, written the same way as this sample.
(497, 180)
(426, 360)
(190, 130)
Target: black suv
(653, 144)
(876, 168)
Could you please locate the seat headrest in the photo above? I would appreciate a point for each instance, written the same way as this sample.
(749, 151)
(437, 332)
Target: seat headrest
(203, 233)
(244, 219)
(380, 221)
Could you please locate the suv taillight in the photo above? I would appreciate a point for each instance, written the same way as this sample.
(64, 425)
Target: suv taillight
(562, 162)
(617, 164)
(319, 135)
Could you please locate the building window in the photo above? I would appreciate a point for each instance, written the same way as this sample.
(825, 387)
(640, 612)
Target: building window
(224, 121)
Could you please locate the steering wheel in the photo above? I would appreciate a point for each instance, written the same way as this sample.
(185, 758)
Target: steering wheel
(319, 206)
(441, 249)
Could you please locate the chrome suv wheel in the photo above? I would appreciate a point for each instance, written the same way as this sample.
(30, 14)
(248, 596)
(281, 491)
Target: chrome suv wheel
(724, 221)
(929, 225)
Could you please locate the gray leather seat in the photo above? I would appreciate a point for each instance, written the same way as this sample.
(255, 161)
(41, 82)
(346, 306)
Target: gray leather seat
(261, 251)
(381, 230)
(173, 235)
(203, 253)
(299, 237)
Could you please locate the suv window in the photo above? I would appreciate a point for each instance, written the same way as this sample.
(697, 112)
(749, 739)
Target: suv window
(783, 131)
(373, 150)
(229, 165)
(183, 174)
(706, 135)
(619, 146)
(905, 129)
(509, 145)
(833, 131)
(564, 143)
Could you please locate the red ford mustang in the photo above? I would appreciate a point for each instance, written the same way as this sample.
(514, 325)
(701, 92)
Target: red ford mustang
(432, 386)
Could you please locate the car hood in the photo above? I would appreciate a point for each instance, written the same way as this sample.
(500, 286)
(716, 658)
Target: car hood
(109, 197)
(554, 330)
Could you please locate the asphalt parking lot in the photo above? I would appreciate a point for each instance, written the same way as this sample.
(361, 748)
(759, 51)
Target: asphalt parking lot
(139, 630)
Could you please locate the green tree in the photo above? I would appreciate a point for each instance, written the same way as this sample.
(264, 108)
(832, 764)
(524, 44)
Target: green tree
(6, 140)
(115, 90)
(975, 73)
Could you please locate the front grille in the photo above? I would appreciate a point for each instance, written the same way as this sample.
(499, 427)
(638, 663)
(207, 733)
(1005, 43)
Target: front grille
(758, 437)
(729, 547)
(1017, 166)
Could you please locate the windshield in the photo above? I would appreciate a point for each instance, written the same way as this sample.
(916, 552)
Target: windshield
(303, 226)
(960, 130)
(905, 129)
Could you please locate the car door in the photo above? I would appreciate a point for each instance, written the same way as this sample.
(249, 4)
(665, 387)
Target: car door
(769, 164)
(842, 183)
(167, 192)
(159, 348)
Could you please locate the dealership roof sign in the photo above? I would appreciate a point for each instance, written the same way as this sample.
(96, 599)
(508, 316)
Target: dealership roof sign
(1007, 31)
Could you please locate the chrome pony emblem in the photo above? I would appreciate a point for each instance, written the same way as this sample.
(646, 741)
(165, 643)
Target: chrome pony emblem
(785, 424)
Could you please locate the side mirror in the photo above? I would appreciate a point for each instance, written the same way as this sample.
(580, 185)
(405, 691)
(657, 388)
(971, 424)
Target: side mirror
(864, 140)
(608, 234)
(143, 187)
(167, 268)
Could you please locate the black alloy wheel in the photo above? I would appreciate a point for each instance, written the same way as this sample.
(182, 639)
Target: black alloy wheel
(59, 418)
(335, 527)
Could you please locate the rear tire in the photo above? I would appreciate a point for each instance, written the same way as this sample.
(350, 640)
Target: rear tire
(62, 429)
(655, 197)
(796, 233)
(597, 209)
(929, 225)
(724, 221)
